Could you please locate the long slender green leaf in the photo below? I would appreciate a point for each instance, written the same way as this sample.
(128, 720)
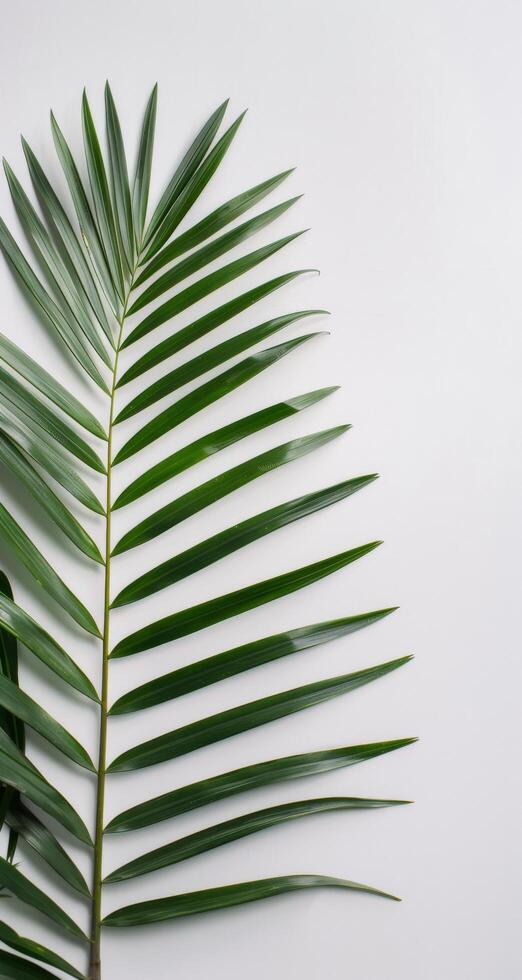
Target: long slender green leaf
(29, 947)
(204, 325)
(30, 556)
(208, 284)
(101, 197)
(19, 466)
(213, 223)
(208, 393)
(140, 191)
(50, 458)
(36, 413)
(78, 266)
(269, 773)
(90, 234)
(215, 728)
(219, 667)
(55, 269)
(27, 631)
(44, 843)
(18, 772)
(17, 968)
(9, 669)
(19, 704)
(208, 253)
(220, 486)
(220, 545)
(23, 889)
(211, 358)
(232, 830)
(185, 171)
(47, 306)
(217, 610)
(119, 180)
(33, 372)
(211, 899)
(9, 723)
(214, 442)
(192, 190)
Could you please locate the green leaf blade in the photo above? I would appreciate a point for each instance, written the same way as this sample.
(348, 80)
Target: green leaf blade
(211, 899)
(231, 830)
(16, 622)
(38, 566)
(214, 728)
(28, 947)
(28, 711)
(19, 466)
(272, 772)
(216, 441)
(34, 832)
(18, 772)
(229, 663)
(23, 889)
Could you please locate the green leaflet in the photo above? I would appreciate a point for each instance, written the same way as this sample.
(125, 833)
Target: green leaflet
(91, 236)
(245, 717)
(74, 256)
(140, 190)
(23, 889)
(207, 791)
(209, 253)
(9, 670)
(215, 442)
(9, 723)
(18, 772)
(30, 948)
(211, 670)
(27, 631)
(212, 358)
(18, 703)
(101, 198)
(208, 226)
(19, 361)
(182, 177)
(55, 269)
(53, 461)
(47, 306)
(214, 280)
(25, 823)
(44, 574)
(204, 325)
(231, 830)
(17, 968)
(211, 899)
(16, 396)
(207, 393)
(119, 181)
(220, 486)
(238, 536)
(17, 463)
(225, 606)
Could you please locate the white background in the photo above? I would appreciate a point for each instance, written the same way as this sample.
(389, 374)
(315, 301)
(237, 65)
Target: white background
(404, 121)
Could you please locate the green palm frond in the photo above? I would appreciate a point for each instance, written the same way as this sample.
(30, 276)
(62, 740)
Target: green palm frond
(117, 259)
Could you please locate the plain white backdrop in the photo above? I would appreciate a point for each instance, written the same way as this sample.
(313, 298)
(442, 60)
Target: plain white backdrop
(403, 120)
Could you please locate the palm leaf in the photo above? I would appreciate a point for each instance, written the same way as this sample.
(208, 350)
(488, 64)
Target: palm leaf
(36, 835)
(212, 899)
(232, 830)
(208, 791)
(106, 263)
(35, 950)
